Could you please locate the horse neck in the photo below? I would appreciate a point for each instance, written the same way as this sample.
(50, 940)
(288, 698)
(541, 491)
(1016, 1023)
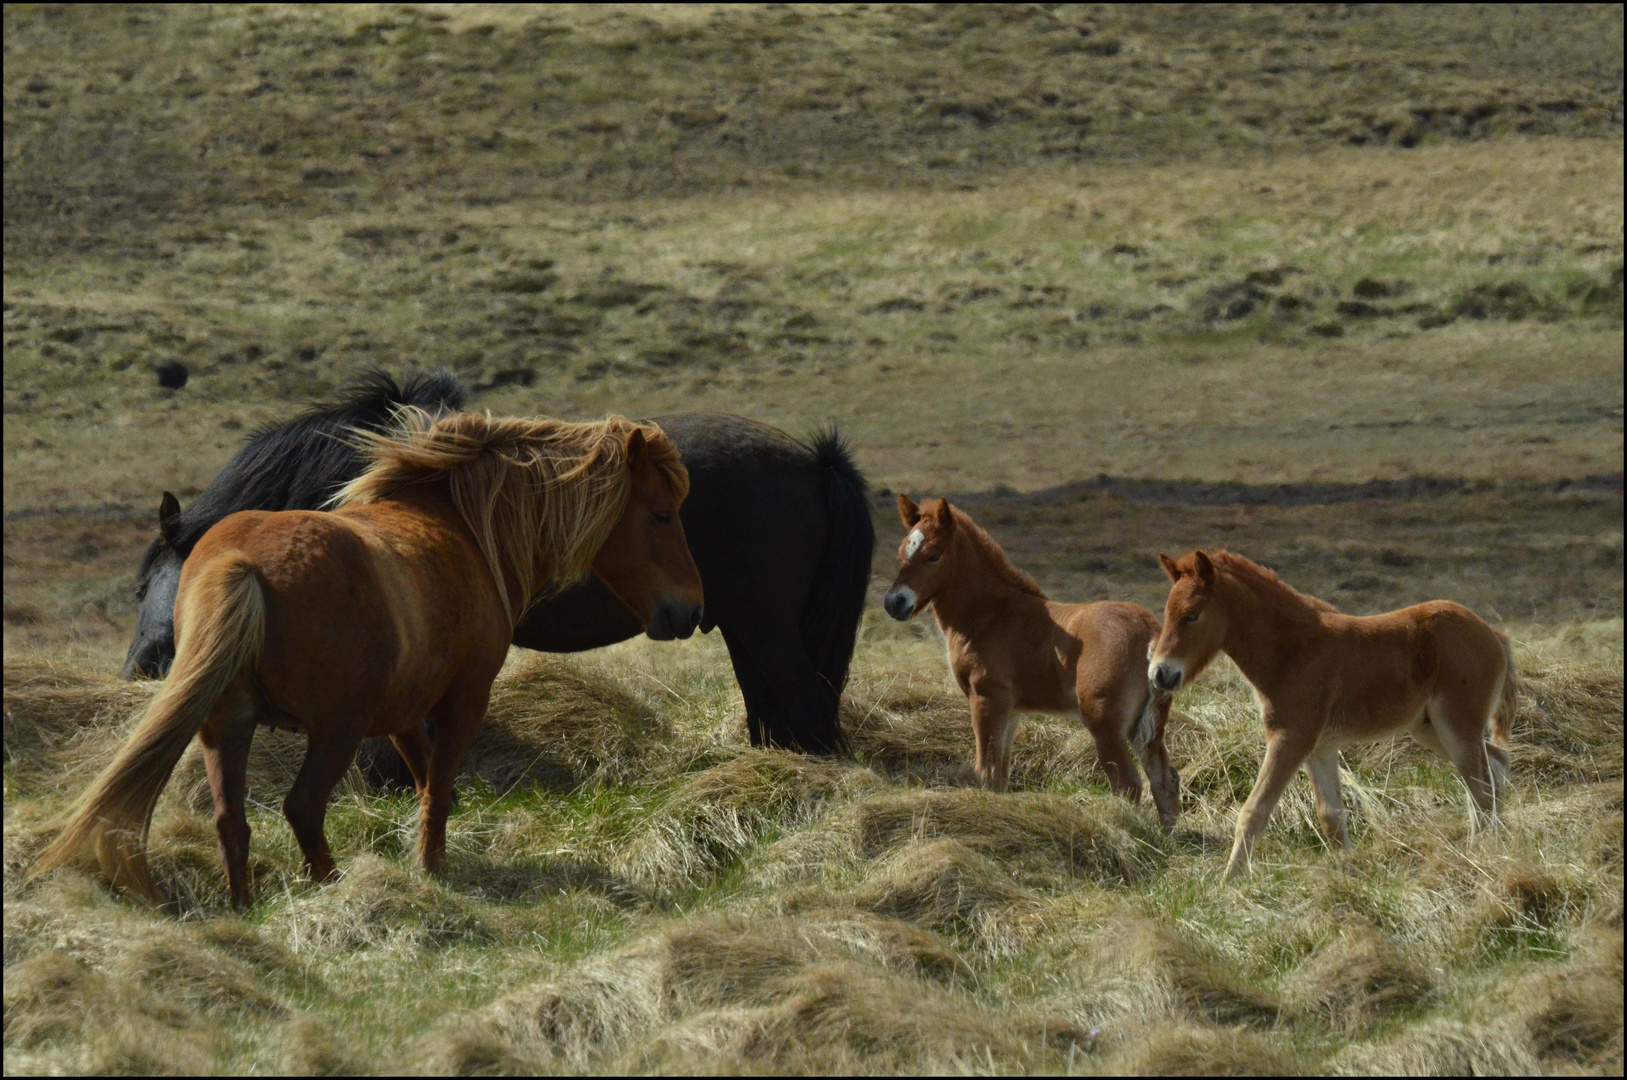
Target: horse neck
(978, 587)
(1259, 624)
(433, 499)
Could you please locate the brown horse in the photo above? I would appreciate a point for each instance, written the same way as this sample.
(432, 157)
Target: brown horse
(1011, 648)
(398, 604)
(1323, 678)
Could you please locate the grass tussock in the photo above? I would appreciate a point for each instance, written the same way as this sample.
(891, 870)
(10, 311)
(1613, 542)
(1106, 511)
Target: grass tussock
(561, 724)
(62, 721)
(1359, 979)
(1573, 1015)
(1200, 982)
(714, 815)
(378, 904)
(1185, 1049)
(820, 992)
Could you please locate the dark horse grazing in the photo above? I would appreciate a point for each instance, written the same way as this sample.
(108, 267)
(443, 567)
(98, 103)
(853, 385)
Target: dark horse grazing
(780, 532)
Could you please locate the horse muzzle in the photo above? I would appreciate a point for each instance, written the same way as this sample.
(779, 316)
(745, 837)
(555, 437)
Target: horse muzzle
(673, 620)
(1165, 675)
(900, 603)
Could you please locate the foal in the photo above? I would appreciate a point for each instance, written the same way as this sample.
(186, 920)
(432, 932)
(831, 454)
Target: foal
(1011, 648)
(399, 604)
(1323, 678)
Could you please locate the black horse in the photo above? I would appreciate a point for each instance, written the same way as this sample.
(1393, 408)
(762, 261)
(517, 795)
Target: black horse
(780, 531)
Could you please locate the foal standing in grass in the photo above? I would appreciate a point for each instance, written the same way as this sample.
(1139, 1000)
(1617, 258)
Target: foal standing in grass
(399, 604)
(1323, 678)
(1011, 648)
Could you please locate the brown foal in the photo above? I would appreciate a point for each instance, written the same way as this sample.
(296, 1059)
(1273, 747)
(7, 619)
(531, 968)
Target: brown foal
(1323, 678)
(1011, 648)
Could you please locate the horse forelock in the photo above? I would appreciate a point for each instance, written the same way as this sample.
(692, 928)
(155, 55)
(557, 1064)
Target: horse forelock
(994, 554)
(541, 496)
(1265, 581)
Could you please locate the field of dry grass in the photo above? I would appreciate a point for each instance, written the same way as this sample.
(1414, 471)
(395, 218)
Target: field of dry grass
(1337, 286)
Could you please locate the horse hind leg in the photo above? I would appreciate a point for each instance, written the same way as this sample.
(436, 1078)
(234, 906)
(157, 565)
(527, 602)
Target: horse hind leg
(1147, 738)
(1108, 732)
(1323, 767)
(226, 738)
(329, 752)
(1460, 732)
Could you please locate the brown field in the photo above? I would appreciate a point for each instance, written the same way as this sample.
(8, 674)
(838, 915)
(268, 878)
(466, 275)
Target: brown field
(1336, 286)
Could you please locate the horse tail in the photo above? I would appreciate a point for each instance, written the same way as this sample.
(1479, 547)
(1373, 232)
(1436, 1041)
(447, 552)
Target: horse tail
(222, 630)
(830, 618)
(1508, 699)
(1149, 726)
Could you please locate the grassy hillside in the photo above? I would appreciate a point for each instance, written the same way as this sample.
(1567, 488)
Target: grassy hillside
(1121, 279)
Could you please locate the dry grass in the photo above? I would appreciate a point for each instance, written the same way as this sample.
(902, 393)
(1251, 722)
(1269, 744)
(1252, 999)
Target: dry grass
(694, 905)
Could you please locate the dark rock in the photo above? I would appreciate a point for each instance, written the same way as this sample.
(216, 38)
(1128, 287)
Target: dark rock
(172, 374)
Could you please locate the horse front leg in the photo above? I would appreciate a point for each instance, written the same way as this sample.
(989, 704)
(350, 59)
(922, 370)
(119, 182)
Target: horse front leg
(1284, 753)
(993, 727)
(457, 716)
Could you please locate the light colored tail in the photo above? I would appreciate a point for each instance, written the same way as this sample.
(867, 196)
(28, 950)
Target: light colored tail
(221, 629)
(1150, 724)
(1508, 700)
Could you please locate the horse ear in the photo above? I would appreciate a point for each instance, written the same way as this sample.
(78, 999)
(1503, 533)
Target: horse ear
(638, 450)
(946, 520)
(908, 511)
(1171, 567)
(1206, 569)
(169, 518)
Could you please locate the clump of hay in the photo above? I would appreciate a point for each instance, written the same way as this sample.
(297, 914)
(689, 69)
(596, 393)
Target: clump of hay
(62, 723)
(559, 724)
(1173, 1048)
(912, 727)
(1524, 899)
(944, 885)
(1198, 982)
(1439, 1046)
(1569, 729)
(184, 968)
(1039, 840)
(714, 815)
(1359, 979)
(825, 991)
(1037, 836)
(377, 904)
(109, 1025)
(1573, 1014)
(699, 965)
(848, 1018)
(920, 729)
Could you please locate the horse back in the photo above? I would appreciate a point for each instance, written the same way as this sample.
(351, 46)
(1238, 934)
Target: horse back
(373, 591)
(1111, 639)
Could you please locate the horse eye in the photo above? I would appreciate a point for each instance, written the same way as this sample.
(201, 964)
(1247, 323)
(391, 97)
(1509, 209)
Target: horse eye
(1192, 617)
(663, 517)
(932, 560)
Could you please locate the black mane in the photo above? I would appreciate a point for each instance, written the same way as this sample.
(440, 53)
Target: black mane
(298, 464)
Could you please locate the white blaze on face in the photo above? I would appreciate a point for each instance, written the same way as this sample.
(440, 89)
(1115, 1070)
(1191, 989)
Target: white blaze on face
(913, 544)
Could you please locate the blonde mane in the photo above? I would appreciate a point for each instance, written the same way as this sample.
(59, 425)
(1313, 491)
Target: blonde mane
(541, 496)
(997, 559)
(1265, 581)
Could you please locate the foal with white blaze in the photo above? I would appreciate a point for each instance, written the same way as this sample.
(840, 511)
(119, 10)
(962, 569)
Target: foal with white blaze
(1324, 678)
(1011, 648)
